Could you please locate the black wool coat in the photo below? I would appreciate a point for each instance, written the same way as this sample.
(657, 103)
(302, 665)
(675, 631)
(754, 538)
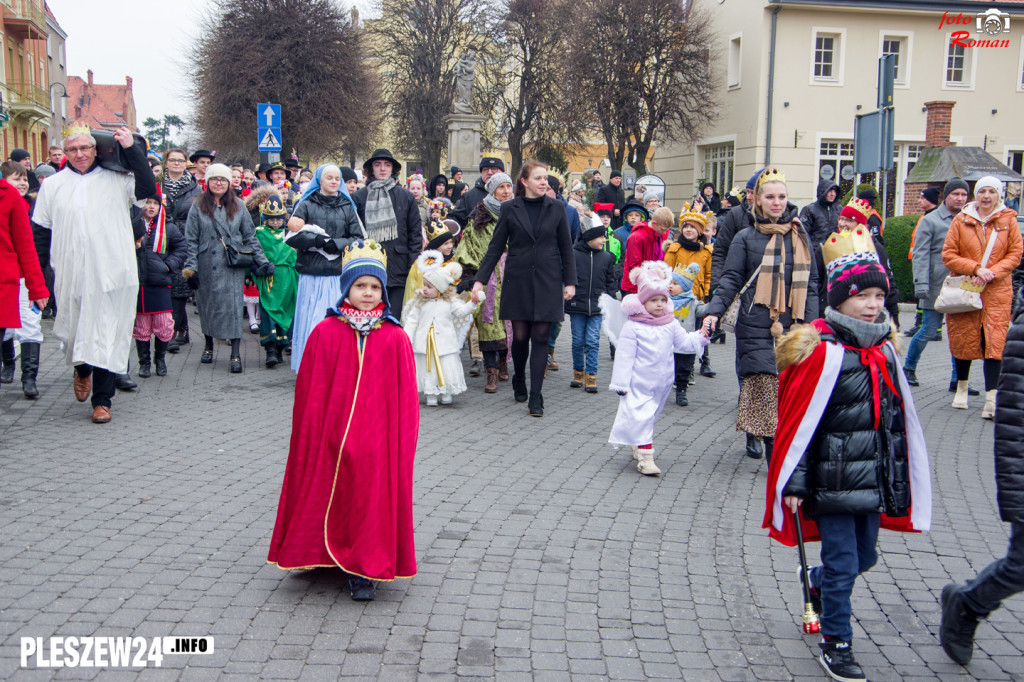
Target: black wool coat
(755, 345)
(1009, 435)
(177, 214)
(539, 263)
(610, 194)
(729, 225)
(404, 250)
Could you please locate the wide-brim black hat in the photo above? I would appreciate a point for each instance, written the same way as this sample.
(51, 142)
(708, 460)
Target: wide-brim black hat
(277, 166)
(291, 163)
(381, 155)
(199, 153)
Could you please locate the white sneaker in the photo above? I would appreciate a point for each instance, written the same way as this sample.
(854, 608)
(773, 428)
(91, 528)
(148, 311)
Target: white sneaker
(432, 401)
(446, 398)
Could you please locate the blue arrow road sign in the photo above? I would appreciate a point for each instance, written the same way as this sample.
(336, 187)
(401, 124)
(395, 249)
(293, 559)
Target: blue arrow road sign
(268, 115)
(269, 139)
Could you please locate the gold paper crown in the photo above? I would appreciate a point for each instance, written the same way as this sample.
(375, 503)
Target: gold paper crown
(366, 249)
(688, 214)
(76, 128)
(770, 175)
(847, 243)
(273, 210)
(861, 206)
(690, 271)
(435, 229)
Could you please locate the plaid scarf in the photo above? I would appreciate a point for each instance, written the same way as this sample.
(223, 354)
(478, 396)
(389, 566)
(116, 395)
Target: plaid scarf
(381, 223)
(771, 278)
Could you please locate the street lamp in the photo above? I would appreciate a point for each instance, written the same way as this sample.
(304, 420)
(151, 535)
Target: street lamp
(64, 96)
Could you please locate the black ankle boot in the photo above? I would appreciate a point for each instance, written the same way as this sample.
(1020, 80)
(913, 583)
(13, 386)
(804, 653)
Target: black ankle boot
(29, 369)
(705, 367)
(769, 445)
(159, 357)
(273, 356)
(144, 361)
(536, 405)
(7, 355)
(519, 387)
(681, 400)
(753, 447)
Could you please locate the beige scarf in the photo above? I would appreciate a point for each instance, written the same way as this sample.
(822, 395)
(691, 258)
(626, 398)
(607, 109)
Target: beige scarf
(771, 279)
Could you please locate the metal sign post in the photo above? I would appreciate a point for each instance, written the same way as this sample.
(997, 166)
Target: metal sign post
(874, 132)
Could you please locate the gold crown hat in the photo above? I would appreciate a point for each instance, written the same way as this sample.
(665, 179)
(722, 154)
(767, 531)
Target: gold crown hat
(847, 246)
(367, 251)
(76, 128)
(857, 209)
(770, 175)
(273, 207)
(690, 215)
(690, 271)
(437, 228)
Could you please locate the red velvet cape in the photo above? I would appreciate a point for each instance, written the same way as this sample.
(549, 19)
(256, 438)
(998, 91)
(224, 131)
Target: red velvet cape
(347, 494)
(18, 257)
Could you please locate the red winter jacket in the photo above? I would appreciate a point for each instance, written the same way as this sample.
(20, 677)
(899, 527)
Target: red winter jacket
(642, 245)
(18, 256)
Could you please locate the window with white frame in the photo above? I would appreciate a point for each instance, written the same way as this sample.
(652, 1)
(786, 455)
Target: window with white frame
(718, 161)
(898, 45)
(835, 163)
(735, 60)
(825, 54)
(959, 66)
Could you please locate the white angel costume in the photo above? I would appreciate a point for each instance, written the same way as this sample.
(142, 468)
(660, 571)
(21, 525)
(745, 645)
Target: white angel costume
(437, 328)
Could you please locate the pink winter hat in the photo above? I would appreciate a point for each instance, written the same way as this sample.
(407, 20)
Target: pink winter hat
(652, 278)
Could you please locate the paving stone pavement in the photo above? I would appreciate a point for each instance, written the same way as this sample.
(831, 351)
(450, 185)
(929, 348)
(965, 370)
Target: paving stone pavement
(542, 553)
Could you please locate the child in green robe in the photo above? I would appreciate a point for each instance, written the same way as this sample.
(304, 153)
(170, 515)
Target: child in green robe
(277, 292)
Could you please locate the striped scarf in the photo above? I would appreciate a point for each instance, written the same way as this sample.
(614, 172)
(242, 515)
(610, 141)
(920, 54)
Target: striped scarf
(771, 278)
(381, 223)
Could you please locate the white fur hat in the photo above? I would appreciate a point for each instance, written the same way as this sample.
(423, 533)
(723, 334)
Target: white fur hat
(434, 270)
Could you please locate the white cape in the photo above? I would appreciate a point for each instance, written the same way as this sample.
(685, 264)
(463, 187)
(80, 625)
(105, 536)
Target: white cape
(93, 256)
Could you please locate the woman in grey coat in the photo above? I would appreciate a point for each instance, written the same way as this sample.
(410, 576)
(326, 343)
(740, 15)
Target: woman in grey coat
(219, 215)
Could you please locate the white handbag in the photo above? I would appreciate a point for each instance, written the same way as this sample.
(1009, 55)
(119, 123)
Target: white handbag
(959, 293)
(732, 313)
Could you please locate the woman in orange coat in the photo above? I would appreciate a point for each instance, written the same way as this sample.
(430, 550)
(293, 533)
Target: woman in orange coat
(980, 334)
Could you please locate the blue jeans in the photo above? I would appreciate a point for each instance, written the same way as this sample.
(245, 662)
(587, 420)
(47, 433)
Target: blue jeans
(930, 321)
(586, 340)
(848, 544)
(1001, 579)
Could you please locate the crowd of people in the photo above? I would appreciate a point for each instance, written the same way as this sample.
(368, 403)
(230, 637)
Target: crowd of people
(373, 287)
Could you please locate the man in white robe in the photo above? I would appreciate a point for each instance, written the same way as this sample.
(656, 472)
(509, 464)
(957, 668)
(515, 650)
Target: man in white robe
(92, 251)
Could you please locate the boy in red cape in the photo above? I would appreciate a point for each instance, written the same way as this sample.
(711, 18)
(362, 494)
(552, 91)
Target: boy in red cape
(850, 454)
(347, 494)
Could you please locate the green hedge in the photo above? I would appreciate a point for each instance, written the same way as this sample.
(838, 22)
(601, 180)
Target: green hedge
(897, 243)
(860, 188)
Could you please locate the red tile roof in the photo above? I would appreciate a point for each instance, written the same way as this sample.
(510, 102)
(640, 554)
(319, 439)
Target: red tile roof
(101, 106)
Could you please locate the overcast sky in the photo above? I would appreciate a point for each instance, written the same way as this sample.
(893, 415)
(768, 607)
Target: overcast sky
(144, 39)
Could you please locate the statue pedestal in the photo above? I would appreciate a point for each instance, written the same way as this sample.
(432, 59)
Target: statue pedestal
(464, 144)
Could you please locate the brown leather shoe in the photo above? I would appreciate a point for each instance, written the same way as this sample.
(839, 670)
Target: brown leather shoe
(100, 415)
(83, 387)
(492, 381)
(502, 366)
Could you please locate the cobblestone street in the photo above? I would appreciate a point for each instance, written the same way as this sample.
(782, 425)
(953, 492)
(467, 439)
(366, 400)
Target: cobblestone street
(542, 553)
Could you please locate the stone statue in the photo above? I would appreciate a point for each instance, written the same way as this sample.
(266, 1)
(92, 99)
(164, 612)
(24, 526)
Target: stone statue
(464, 82)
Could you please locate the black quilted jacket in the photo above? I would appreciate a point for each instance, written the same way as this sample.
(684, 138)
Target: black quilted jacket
(1009, 435)
(849, 466)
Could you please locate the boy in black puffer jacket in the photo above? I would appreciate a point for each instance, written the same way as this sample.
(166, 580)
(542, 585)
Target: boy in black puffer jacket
(595, 271)
(964, 605)
(850, 454)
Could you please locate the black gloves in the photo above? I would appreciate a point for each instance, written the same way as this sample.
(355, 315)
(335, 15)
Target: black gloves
(331, 246)
(193, 282)
(265, 270)
(321, 241)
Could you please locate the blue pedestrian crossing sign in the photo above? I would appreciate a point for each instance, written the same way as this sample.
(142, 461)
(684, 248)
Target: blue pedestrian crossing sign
(268, 127)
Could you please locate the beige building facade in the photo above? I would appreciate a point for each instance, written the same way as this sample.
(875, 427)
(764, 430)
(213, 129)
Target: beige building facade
(793, 75)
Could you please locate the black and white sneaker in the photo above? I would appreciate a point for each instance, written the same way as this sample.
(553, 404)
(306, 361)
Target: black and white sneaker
(837, 660)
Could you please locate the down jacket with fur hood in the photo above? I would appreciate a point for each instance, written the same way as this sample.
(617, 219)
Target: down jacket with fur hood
(850, 466)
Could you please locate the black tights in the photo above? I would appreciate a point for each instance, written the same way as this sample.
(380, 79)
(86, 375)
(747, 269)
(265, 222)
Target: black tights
(989, 366)
(235, 346)
(530, 339)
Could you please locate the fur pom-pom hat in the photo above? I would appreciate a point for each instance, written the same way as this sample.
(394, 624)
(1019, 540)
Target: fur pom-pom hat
(434, 270)
(652, 278)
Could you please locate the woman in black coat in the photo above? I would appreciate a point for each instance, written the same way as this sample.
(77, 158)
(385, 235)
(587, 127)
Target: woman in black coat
(762, 318)
(540, 266)
(180, 189)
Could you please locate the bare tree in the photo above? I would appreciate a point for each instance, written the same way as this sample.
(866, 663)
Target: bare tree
(646, 67)
(537, 116)
(304, 54)
(417, 44)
